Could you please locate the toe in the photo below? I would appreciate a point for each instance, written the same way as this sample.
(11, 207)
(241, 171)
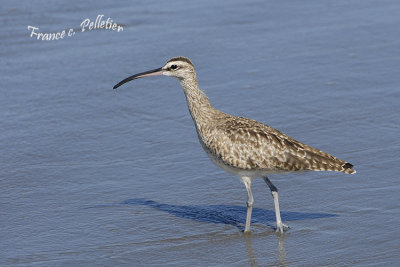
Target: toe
(282, 228)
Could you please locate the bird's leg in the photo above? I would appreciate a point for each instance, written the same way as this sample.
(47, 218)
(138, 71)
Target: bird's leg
(280, 227)
(250, 201)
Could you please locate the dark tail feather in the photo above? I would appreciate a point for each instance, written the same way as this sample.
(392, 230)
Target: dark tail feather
(348, 168)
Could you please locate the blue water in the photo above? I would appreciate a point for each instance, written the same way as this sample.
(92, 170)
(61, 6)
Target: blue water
(92, 176)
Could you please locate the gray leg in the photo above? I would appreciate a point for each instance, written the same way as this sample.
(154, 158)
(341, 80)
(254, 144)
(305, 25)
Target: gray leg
(250, 201)
(280, 227)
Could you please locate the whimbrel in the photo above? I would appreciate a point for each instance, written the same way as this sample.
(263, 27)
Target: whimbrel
(241, 146)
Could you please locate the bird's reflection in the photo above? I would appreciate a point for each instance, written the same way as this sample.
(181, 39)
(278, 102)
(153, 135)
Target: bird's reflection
(235, 216)
(281, 250)
(281, 253)
(250, 252)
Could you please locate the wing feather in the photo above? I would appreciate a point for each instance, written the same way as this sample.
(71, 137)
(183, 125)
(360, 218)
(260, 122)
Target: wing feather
(247, 144)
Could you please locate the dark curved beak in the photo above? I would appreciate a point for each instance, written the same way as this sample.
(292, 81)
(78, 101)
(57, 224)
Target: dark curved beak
(140, 75)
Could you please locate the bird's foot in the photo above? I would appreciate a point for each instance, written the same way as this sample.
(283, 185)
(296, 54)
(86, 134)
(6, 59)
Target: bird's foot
(280, 228)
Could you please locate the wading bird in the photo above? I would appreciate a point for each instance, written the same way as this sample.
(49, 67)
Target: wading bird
(241, 146)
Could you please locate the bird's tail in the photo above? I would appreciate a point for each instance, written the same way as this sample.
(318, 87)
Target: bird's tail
(322, 161)
(348, 168)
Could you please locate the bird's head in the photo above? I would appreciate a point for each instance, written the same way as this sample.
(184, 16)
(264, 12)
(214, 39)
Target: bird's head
(178, 67)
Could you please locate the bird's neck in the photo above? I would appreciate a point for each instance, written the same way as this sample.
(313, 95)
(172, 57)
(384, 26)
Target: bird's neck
(199, 106)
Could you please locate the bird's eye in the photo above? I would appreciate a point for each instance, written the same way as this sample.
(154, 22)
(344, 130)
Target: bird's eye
(174, 67)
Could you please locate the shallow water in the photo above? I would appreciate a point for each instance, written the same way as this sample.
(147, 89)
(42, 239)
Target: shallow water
(89, 175)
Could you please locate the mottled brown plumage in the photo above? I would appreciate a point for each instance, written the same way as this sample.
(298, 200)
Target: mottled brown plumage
(242, 146)
(250, 145)
(247, 144)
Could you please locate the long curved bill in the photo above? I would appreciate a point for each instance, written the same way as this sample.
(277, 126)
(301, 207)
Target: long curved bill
(139, 75)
